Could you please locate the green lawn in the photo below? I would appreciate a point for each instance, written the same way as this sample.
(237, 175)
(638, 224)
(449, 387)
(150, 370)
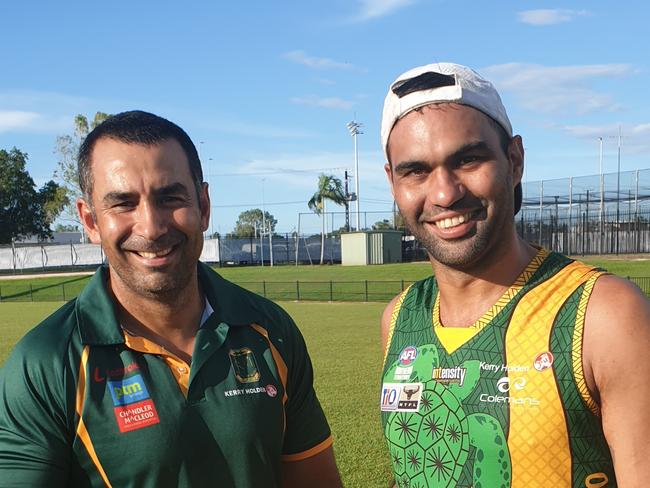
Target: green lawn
(343, 340)
(319, 283)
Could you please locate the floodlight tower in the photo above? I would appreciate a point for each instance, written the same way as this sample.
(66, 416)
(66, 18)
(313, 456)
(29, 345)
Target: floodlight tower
(354, 128)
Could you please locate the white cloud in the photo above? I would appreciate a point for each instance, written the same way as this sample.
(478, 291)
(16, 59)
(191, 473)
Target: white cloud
(16, 119)
(557, 88)
(634, 138)
(549, 16)
(324, 102)
(372, 9)
(301, 57)
(307, 167)
(240, 128)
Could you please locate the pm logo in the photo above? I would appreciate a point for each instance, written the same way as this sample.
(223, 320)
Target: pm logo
(129, 390)
(244, 365)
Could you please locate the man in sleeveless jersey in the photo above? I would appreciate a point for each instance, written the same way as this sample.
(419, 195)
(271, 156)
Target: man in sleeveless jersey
(512, 366)
(161, 373)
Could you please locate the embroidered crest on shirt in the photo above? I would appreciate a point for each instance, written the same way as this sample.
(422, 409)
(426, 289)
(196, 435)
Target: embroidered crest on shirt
(244, 365)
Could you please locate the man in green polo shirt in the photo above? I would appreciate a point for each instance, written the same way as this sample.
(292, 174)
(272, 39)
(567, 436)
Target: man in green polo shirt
(161, 373)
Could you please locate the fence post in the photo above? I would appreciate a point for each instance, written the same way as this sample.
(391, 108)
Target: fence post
(0, 293)
(264, 288)
(366, 283)
(331, 298)
(31, 292)
(402, 285)
(63, 290)
(297, 290)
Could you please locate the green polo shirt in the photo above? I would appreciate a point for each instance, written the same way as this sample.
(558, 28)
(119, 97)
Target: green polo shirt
(80, 406)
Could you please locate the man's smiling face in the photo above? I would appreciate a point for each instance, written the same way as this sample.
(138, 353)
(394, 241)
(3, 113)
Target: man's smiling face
(452, 181)
(146, 214)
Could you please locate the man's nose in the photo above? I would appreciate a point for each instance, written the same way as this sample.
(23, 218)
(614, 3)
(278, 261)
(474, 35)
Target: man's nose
(445, 188)
(152, 221)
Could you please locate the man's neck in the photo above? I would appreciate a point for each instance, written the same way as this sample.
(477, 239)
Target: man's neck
(465, 295)
(170, 321)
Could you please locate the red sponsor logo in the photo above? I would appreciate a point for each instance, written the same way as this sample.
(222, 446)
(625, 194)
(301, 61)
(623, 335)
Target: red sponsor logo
(136, 415)
(543, 361)
(271, 391)
(114, 373)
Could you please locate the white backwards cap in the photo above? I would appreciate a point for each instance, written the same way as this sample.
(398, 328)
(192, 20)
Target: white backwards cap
(440, 83)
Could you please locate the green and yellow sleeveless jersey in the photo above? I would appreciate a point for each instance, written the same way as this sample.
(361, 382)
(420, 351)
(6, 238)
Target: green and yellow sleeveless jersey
(502, 403)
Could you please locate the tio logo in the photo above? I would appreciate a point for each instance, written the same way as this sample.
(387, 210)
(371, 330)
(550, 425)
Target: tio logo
(408, 355)
(389, 397)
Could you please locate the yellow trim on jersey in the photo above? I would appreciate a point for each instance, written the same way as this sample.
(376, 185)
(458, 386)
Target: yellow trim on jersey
(179, 368)
(82, 432)
(318, 448)
(576, 351)
(452, 338)
(460, 335)
(282, 370)
(393, 320)
(528, 335)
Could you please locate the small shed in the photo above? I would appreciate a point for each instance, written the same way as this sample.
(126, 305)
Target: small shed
(371, 247)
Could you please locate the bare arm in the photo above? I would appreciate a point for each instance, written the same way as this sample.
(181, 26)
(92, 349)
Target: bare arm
(617, 367)
(318, 471)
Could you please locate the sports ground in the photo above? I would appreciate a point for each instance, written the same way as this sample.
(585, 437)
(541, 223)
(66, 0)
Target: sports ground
(342, 336)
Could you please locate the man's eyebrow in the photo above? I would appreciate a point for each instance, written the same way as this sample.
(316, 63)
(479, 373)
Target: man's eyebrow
(118, 196)
(405, 166)
(173, 189)
(469, 147)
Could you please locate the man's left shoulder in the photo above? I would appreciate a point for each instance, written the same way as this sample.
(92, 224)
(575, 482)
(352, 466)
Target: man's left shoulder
(614, 296)
(241, 305)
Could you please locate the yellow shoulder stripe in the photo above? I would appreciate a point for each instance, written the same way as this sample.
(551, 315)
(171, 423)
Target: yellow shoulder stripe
(82, 432)
(576, 350)
(280, 364)
(393, 320)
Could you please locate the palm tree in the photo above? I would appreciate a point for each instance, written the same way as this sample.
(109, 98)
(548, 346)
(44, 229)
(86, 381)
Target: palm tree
(329, 188)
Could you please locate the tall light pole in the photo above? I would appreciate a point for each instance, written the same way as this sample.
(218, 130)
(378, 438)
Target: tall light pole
(354, 128)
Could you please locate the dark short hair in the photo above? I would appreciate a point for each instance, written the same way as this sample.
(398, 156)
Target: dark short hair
(135, 127)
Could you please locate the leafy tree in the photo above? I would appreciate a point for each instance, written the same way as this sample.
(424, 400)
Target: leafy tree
(250, 220)
(329, 188)
(66, 228)
(23, 210)
(67, 148)
(53, 199)
(384, 224)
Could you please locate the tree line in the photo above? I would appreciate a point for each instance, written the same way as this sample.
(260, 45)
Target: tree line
(26, 210)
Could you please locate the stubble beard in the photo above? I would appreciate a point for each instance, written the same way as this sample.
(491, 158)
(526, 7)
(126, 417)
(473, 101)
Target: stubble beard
(466, 252)
(165, 284)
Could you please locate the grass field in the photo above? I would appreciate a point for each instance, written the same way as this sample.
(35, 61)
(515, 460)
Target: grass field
(319, 283)
(343, 340)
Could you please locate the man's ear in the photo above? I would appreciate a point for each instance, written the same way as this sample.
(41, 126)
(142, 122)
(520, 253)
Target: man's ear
(87, 218)
(516, 158)
(204, 206)
(389, 176)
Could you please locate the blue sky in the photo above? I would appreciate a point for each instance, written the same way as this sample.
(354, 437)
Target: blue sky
(265, 89)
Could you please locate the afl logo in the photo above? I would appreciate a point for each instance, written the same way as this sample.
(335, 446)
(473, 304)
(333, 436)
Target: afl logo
(408, 355)
(543, 361)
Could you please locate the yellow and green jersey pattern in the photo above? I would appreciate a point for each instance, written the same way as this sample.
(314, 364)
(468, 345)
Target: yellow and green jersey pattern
(502, 403)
